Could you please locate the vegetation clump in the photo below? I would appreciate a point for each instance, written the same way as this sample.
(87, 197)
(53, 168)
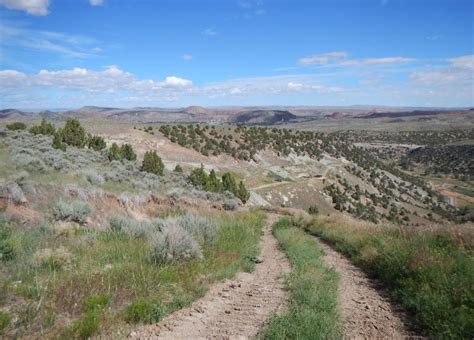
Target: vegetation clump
(77, 211)
(199, 178)
(44, 128)
(73, 133)
(152, 163)
(16, 126)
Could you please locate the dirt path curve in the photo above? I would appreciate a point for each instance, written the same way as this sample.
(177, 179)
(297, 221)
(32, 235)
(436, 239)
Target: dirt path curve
(366, 314)
(236, 308)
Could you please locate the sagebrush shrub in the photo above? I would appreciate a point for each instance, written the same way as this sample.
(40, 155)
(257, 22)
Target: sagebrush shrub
(93, 177)
(199, 227)
(30, 163)
(174, 244)
(77, 211)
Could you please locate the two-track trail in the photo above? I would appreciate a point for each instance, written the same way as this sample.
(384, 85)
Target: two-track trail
(236, 308)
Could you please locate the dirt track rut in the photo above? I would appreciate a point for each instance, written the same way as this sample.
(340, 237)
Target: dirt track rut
(366, 313)
(233, 309)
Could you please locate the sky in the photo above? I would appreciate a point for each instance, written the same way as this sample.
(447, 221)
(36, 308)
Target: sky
(174, 53)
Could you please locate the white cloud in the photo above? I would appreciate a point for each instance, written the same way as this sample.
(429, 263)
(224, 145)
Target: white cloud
(177, 82)
(322, 59)
(340, 59)
(209, 32)
(96, 50)
(459, 71)
(33, 7)
(305, 88)
(11, 78)
(466, 61)
(373, 61)
(111, 80)
(96, 2)
(187, 57)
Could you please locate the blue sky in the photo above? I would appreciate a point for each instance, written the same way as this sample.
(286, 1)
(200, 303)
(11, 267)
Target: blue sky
(69, 53)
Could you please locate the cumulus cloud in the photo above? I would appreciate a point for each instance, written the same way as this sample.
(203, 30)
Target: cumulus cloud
(340, 59)
(177, 82)
(187, 57)
(96, 2)
(111, 80)
(33, 7)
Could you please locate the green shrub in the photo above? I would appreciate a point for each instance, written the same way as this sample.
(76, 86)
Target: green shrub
(126, 152)
(228, 182)
(73, 133)
(178, 168)
(114, 153)
(58, 141)
(96, 143)
(16, 126)
(242, 193)
(77, 211)
(143, 310)
(44, 128)
(152, 163)
(313, 210)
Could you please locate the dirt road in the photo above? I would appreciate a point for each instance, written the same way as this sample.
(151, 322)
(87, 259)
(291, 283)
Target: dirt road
(236, 308)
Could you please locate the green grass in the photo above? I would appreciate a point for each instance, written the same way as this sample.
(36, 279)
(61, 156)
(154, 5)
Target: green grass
(111, 282)
(312, 311)
(430, 272)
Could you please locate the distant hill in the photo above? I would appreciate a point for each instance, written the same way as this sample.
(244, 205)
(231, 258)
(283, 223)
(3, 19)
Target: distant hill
(263, 117)
(13, 114)
(336, 115)
(403, 114)
(196, 109)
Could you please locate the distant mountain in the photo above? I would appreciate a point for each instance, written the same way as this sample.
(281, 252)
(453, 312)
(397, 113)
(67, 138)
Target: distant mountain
(263, 117)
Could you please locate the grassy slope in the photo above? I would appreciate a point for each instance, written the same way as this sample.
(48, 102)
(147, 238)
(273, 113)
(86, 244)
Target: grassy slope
(431, 272)
(312, 312)
(117, 273)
